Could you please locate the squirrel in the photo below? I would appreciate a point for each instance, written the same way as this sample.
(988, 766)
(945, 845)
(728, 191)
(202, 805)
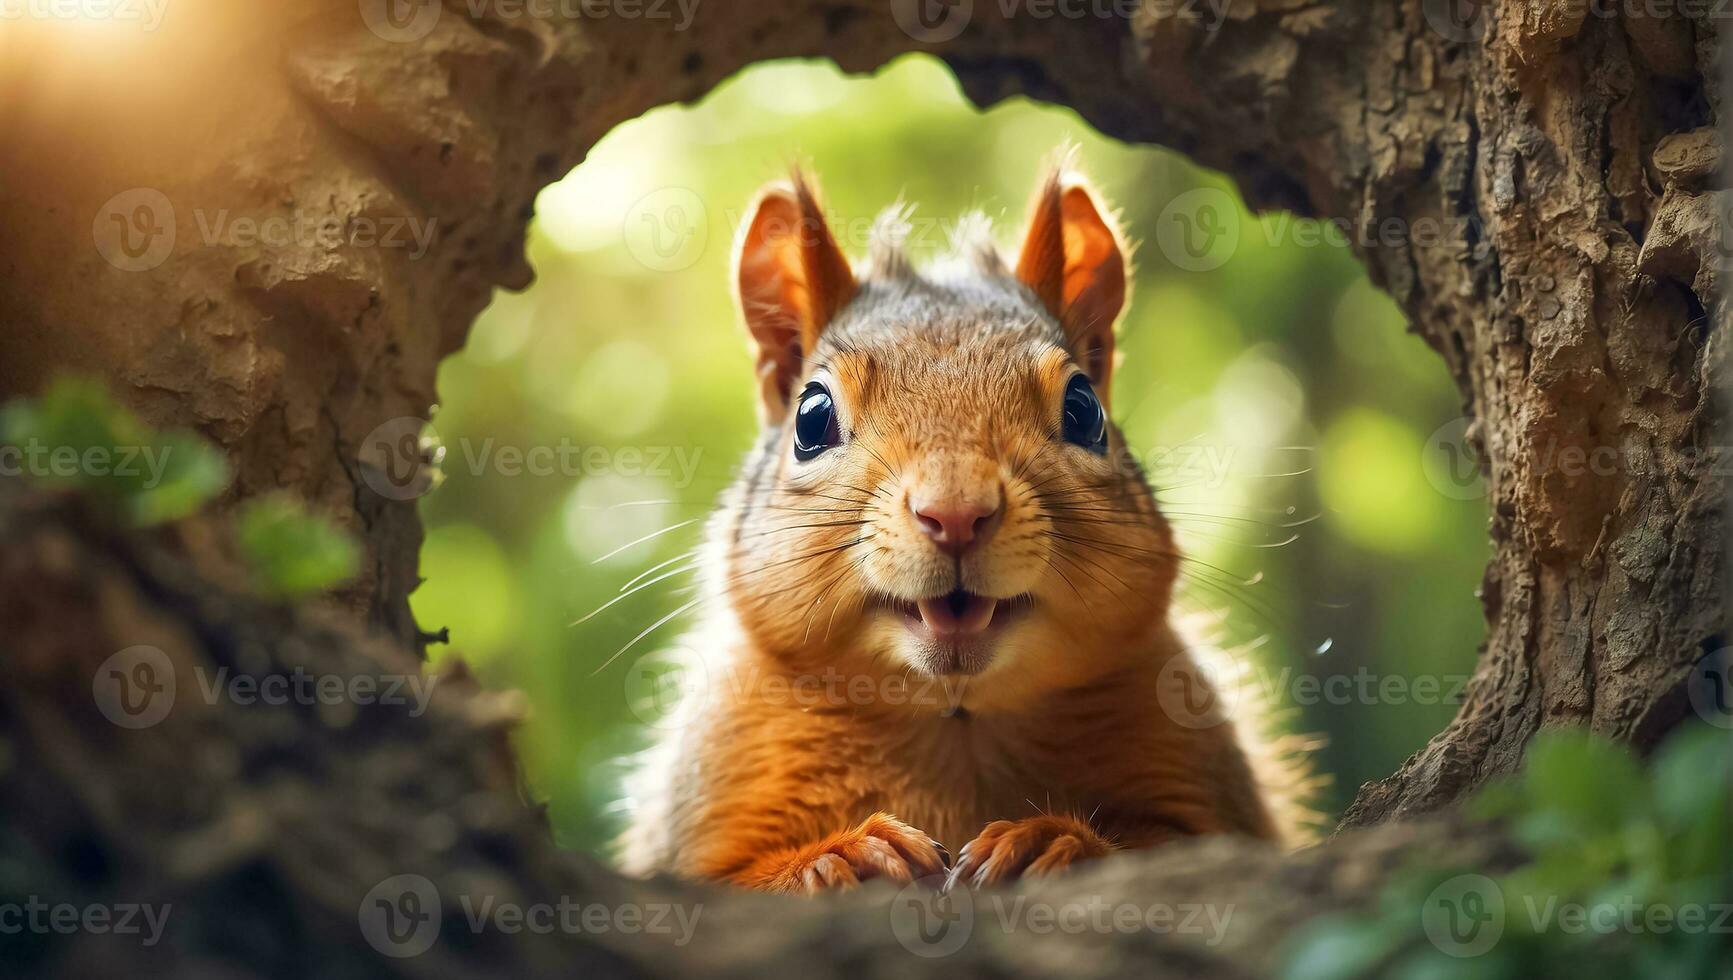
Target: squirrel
(942, 583)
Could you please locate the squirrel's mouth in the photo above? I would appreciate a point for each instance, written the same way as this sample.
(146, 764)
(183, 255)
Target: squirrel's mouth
(959, 614)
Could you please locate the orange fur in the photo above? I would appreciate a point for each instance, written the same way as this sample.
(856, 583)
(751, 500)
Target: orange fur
(1045, 746)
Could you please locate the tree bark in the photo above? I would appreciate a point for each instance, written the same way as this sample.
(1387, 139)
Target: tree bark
(1537, 185)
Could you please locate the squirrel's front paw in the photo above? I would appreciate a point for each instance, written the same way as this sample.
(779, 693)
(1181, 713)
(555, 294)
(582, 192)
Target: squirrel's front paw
(1006, 850)
(881, 847)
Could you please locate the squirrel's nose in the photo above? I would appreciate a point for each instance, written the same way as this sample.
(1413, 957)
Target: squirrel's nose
(954, 525)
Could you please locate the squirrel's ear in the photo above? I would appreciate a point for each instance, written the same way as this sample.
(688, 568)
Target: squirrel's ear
(790, 278)
(1073, 260)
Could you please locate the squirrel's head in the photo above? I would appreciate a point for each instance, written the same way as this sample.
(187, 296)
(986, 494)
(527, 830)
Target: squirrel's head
(938, 485)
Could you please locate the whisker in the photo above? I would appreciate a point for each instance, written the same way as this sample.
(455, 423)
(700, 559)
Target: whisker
(623, 596)
(647, 631)
(652, 535)
(653, 569)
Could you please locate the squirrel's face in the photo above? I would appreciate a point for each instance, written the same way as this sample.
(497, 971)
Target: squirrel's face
(939, 486)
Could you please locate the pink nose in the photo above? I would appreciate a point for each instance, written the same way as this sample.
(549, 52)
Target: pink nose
(954, 525)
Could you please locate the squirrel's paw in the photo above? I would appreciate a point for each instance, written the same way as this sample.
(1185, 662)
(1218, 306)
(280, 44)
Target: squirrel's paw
(1006, 850)
(881, 847)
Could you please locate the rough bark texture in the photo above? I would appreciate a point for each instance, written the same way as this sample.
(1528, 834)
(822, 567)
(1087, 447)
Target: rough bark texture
(1535, 186)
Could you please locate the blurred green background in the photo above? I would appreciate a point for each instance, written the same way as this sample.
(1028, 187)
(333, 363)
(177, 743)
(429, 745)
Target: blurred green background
(1264, 379)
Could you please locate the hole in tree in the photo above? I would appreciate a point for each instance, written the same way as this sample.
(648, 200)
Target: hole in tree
(1268, 388)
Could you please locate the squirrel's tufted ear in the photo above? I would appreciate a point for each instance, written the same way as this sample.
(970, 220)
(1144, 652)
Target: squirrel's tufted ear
(1073, 259)
(790, 279)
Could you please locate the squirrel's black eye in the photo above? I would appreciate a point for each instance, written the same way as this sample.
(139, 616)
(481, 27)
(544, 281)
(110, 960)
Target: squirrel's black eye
(815, 428)
(1085, 421)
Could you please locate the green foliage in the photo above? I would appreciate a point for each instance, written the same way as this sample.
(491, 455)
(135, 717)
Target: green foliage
(76, 437)
(291, 552)
(1629, 877)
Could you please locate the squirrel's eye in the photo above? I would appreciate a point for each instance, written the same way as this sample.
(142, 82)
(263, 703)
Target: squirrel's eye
(815, 428)
(1085, 422)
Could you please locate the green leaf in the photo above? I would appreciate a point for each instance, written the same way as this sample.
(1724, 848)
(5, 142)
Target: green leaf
(76, 437)
(293, 553)
(1588, 781)
(1431, 964)
(1340, 948)
(1693, 774)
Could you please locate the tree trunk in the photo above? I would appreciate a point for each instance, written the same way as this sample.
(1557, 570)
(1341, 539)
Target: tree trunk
(1535, 183)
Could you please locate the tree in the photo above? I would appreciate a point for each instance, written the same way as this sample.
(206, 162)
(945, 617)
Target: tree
(1535, 184)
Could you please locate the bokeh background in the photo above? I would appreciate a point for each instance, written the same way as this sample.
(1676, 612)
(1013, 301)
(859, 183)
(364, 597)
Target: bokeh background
(1294, 427)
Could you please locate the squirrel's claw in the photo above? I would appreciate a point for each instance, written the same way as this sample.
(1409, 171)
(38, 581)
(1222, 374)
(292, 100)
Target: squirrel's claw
(1006, 850)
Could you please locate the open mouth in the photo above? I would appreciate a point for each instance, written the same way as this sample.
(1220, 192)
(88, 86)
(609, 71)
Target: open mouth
(960, 614)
